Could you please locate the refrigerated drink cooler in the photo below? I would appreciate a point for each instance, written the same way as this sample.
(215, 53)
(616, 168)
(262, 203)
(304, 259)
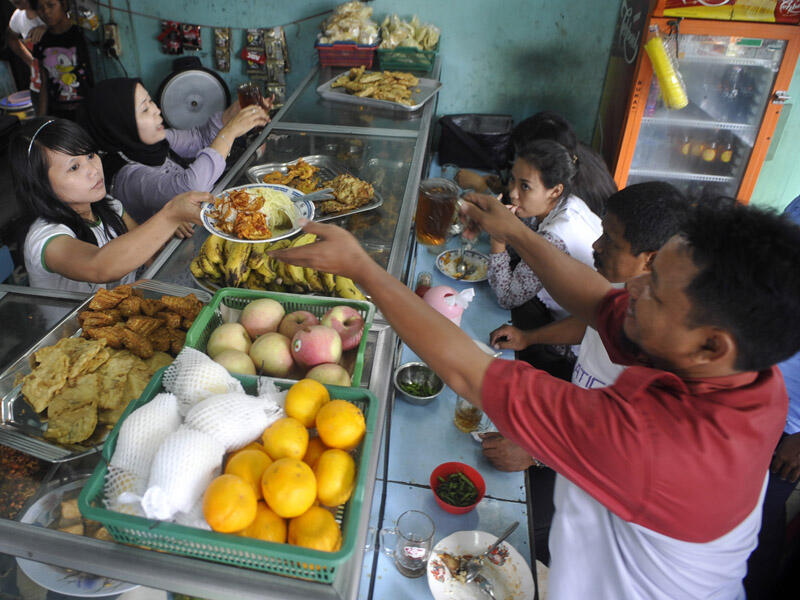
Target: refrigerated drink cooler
(736, 76)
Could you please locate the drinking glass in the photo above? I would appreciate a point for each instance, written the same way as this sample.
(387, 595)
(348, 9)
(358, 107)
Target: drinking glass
(414, 531)
(435, 210)
(250, 93)
(466, 417)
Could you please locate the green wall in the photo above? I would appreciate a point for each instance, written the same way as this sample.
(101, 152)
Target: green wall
(499, 56)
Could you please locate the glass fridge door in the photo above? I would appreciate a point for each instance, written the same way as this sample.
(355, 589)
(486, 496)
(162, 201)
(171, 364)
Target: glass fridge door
(704, 148)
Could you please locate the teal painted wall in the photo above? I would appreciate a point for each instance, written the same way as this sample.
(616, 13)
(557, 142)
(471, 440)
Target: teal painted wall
(499, 56)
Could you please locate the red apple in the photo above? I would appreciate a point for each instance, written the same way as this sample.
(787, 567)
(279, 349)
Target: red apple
(295, 321)
(262, 316)
(272, 354)
(348, 322)
(331, 374)
(316, 345)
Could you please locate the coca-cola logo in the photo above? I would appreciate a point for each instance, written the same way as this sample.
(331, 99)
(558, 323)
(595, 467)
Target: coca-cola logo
(789, 7)
(628, 38)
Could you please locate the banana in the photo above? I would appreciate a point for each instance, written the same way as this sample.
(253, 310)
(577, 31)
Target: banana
(254, 281)
(235, 266)
(303, 240)
(196, 269)
(213, 248)
(257, 255)
(313, 279)
(274, 286)
(210, 268)
(280, 269)
(345, 288)
(296, 274)
(265, 272)
(328, 282)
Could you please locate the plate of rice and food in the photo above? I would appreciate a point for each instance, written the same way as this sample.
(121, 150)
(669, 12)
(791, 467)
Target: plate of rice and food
(253, 213)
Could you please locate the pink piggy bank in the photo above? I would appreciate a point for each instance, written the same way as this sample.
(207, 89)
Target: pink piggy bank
(436, 298)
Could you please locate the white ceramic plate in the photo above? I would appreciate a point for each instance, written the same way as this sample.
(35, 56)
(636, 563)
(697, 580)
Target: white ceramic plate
(445, 262)
(506, 570)
(303, 208)
(65, 581)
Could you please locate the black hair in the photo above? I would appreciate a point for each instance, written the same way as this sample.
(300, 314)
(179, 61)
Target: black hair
(748, 281)
(592, 182)
(34, 4)
(32, 183)
(553, 161)
(650, 213)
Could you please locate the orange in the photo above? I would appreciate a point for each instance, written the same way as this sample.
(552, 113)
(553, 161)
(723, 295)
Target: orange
(267, 526)
(336, 477)
(316, 529)
(250, 446)
(304, 400)
(289, 487)
(229, 504)
(315, 449)
(341, 424)
(250, 466)
(285, 438)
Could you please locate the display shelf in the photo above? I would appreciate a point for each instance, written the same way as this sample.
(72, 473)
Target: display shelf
(698, 124)
(681, 175)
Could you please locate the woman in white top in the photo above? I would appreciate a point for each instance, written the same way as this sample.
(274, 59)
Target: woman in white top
(79, 238)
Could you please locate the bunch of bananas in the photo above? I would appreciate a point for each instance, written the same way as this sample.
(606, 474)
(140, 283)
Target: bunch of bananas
(236, 264)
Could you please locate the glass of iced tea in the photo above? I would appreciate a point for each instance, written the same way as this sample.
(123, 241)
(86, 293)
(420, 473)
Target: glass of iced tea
(250, 93)
(467, 417)
(435, 209)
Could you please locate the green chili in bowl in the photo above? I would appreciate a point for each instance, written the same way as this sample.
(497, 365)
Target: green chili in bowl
(421, 390)
(457, 490)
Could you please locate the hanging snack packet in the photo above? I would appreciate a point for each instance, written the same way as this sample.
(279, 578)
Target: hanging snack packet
(170, 37)
(191, 37)
(222, 49)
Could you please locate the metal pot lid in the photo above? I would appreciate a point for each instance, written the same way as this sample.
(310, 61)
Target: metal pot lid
(188, 98)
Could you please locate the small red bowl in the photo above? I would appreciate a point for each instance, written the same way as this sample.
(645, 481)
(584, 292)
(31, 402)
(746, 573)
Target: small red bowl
(449, 468)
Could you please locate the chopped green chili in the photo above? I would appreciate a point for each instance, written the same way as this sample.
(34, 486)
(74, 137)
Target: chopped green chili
(418, 389)
(457, 490)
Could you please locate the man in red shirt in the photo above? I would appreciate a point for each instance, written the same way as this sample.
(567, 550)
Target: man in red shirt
(666, 468)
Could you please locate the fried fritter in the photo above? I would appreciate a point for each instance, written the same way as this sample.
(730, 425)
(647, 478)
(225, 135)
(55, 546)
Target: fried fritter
(136, 343)
(158, 360)
(111, 335)
(131, 306)
(143, 325)
(113, 379)
(349, 193)
(251, 226)
(46, 379)
(170, 319)
(150, 306)
(72, 414)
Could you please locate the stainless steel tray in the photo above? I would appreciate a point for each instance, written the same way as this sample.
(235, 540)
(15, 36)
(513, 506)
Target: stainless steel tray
(20, 427)
(328, 169)
(420, 94)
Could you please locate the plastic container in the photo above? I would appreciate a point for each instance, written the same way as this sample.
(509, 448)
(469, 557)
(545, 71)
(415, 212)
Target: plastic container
(449, 468)
(281, 559)
(212, 316)
(346, 54)
(407, 59)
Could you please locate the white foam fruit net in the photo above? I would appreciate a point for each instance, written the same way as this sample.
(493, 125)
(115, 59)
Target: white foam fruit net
(194, 518)
(142, 433)
(193, 377)
(234, 420)
(182, 468)
(122, 489)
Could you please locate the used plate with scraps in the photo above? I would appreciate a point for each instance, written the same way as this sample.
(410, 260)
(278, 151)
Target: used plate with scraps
(301, 208)
(43, 513)
(477, 265)
(506, 570)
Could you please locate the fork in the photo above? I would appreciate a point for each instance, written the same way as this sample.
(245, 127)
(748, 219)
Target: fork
(485, 586)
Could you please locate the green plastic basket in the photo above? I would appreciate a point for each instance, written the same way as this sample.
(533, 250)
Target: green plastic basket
(211, 317)
(281, 559)
(407, 59)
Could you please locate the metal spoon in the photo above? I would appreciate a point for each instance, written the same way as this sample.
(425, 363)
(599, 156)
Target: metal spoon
(473, 565)
(460, 266)
(325, 194)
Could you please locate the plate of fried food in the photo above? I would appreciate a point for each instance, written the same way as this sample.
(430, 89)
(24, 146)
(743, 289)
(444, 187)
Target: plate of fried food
(308, 174)
(394, 90)
(504, 571)
(57, 509)
(260, 212)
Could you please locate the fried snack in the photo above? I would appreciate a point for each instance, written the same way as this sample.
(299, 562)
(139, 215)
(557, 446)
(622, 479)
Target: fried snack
(300, 175)
(136, 343)
(251, 226)
(72, 414)
(186, 324)
(157, 361)
(160, 339)
(349, 193)
(131, 306)
(170, 319)
(177, 339)
(187, 307)
(143, 325)
(151, 307)
(393, 86)
(46, 379)
(105, 299)
(113, 376)
(92, 318)
(111, 335)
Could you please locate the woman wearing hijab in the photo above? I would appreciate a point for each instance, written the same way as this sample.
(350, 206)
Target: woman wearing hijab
(147, 164)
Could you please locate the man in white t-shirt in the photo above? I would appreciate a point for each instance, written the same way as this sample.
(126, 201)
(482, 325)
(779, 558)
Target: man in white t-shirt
(25, 29)
(638, 221)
